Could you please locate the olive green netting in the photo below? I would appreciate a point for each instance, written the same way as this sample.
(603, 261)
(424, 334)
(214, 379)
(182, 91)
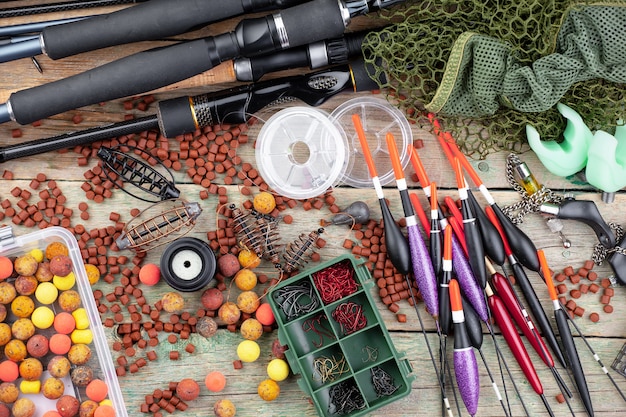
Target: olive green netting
(414, 50)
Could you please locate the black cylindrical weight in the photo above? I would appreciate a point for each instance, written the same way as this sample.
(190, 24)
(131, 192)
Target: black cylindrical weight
(188, 264)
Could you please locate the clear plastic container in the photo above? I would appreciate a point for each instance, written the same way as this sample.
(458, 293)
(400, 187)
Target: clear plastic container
(301, 152)
(101, 361)
(378, 117)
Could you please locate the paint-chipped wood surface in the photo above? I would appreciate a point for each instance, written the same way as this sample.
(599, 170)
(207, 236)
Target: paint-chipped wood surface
(606, 337)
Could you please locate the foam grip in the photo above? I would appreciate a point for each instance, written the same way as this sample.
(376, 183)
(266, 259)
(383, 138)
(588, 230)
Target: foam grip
(135, 74)
(313, 21)
(152, 20)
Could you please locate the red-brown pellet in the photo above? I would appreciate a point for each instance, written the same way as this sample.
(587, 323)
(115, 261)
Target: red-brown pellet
(594, 317)
(575, 293)
(608, 308)
(594, 288)
(579, 311)
(609, 291)
(401, 318)
(560, 398)
(237, 364)
(190, 348)
(592, 276)
(588, 265)
(569, 271)
(605, 283)
(574, 279)
(174, 355)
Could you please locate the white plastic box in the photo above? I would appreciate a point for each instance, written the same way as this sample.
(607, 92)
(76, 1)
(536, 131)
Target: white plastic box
(101, 361)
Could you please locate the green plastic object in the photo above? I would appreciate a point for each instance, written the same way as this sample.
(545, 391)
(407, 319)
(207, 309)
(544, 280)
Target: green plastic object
(316, 339)
(606, 164)
(569, 156)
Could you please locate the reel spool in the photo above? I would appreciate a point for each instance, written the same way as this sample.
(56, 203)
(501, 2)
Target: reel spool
(188, 264)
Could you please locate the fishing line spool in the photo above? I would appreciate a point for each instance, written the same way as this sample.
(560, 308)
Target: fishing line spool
(188, 264)
(301, 151)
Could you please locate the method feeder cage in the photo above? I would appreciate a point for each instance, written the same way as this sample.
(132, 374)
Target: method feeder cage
(120, 168)
(175, 221)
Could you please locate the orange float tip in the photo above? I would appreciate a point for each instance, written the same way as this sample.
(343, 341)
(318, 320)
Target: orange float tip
(458, 154)
(455, 296)
(460, 181)
(418, 166)
(433, 196)
(394, 156)
(358, 127)
(547, 274)
(419, 211)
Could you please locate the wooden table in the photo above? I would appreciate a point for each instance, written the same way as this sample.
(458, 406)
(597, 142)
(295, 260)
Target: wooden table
(606, 337)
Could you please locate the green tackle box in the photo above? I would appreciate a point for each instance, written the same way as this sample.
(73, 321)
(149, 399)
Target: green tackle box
(337, 341)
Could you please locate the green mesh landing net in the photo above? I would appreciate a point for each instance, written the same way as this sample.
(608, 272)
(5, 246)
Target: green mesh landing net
(487, 68)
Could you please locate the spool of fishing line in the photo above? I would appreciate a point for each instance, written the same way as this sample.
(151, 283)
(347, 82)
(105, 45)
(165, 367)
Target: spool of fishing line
(188, 264)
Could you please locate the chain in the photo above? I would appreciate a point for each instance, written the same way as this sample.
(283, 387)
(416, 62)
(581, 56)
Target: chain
(600, 253)
(529, 203)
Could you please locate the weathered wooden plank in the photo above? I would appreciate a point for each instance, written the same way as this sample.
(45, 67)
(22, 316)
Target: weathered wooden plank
(606, 337)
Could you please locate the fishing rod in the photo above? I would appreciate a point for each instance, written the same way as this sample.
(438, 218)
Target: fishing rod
(35, 27)
(156, 68)
(61, 7)
(314, 55)
(148, 21)
(234, 105)
(245, 69)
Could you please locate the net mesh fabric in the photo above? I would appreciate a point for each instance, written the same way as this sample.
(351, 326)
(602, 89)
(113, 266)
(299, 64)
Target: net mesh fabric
(510, 61)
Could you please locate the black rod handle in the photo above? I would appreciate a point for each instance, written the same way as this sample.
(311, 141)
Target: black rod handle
(129, 76)
(156, 19)
(159, 67)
